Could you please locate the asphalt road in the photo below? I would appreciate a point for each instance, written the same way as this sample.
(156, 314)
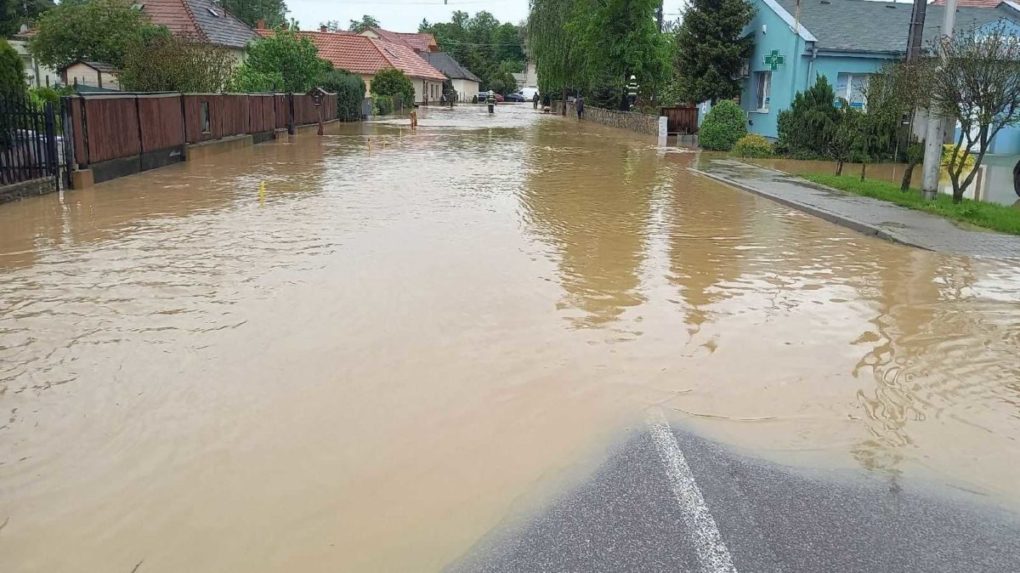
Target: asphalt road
(693, 505)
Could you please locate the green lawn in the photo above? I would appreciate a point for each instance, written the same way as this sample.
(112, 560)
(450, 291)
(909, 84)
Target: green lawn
(987, 215)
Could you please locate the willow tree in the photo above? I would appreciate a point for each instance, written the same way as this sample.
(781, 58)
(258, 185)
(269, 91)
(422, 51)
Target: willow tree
(554, 51)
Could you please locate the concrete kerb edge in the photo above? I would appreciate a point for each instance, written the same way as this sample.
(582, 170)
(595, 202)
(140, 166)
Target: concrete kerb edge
(829, 216)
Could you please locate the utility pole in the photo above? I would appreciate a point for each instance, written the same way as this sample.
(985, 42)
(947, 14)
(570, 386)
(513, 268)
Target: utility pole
(916, 30)
(936, 124)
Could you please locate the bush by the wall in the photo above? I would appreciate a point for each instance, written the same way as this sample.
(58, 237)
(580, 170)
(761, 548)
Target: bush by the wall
(383, 105)
(723, 126)
(349, 90)
(753, 145)
(806, 129)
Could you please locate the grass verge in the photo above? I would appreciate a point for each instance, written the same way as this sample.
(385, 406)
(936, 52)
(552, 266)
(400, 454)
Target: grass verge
(987, 215)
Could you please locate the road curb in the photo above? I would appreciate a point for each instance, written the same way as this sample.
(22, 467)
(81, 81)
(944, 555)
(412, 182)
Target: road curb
(842, 220)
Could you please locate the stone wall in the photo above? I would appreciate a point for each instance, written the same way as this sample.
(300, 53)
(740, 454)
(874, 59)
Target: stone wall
(30, 188)
(632, 120)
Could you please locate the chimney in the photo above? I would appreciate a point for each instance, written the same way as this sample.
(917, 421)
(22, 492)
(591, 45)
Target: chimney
(323, 28)
(261, 24)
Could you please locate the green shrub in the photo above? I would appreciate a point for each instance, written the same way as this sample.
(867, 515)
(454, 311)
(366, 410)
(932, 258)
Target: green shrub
(383, 105)
(753, 145)
(723, 126)
(12, 70)
(349, 90)
(392, 82)
(809, 125)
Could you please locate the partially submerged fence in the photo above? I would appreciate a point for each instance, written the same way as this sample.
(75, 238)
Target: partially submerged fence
(143, 131)
(681, 120)
(32, 152)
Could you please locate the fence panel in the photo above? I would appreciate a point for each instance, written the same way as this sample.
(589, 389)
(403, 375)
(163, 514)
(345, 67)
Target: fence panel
(112, 128)
(235, 115)
(162, 122)
(262, 111)
(28, 141)
(77, 112)
(200, 111)
(681, 119)
(282, 111)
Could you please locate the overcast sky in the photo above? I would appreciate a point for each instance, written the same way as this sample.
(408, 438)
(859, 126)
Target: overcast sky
(405, 15)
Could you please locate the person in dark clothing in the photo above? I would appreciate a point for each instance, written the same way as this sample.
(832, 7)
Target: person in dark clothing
(534, 101)
(579, 105)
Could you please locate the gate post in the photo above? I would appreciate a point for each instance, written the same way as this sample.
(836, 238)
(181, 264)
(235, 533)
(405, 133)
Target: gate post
(51, 143)
(290, 114)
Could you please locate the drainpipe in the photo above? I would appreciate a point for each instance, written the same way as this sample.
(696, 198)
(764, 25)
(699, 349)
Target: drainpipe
(810, 68)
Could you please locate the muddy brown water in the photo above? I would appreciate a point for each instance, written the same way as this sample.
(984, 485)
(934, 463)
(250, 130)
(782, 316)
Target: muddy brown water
(414, 336)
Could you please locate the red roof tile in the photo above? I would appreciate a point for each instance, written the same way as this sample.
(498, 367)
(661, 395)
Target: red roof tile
(203, 20)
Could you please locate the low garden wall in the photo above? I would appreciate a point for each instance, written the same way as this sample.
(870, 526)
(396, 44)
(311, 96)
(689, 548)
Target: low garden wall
(632, 120)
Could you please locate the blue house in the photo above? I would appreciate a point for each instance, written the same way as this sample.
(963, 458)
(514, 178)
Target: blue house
(846, 41)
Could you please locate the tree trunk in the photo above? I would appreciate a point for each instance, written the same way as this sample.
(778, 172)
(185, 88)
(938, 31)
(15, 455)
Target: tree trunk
(864, 171)
(908, 174)
(564, 102)
(839, 167)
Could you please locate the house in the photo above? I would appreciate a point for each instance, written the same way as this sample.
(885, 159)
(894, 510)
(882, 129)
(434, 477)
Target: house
(367, 56)
(37, 75)
(90, 74)
(846, 41)
(528, 78)
(201, 20)
(464, 82)
(420, 43)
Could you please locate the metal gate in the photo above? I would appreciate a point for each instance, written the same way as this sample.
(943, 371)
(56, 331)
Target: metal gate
(31, 146)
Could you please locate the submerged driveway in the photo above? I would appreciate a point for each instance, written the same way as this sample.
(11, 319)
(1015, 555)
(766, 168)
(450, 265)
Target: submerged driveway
(441, 348)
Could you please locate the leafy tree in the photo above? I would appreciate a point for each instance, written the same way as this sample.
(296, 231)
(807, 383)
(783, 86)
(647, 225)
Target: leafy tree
(291, 58)
(12, 71)
(272, 12)
(331, 26)
(724, 125)
(392, 82)
(96, 30)
(843, 136)
(248, 80)
(806, 128)
(350, 92)
(14, 13)
(559, 59)
(481, 44)
(363, 24)
(711, 49)
(978, 84)
(159, 61)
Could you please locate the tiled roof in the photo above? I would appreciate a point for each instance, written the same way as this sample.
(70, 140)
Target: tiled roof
(414, 40)
(204, 20)
(869, 26)
(445, 63)
(98, 66)
(404, 59)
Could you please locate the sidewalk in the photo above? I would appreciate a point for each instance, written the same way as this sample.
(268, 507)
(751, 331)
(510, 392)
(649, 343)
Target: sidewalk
(864, 214)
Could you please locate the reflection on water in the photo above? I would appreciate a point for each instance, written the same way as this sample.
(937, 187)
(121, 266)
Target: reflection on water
(417, 334)
(994, 183)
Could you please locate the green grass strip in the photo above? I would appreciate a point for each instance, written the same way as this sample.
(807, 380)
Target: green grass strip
(987, 215)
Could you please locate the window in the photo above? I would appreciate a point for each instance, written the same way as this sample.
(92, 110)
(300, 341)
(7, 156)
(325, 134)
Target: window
(763, 88)
(853, 88)
(203, 117)
(213, 12)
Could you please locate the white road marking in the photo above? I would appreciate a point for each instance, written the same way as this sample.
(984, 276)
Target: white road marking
(708, 544)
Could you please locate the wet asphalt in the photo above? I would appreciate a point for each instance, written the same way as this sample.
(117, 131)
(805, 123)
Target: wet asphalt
(771, 519)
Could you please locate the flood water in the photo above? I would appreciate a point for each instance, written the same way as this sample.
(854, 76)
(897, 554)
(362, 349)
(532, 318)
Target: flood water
(412, 336)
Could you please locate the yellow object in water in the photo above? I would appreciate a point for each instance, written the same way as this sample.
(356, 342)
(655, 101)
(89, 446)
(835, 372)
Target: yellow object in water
(262, 192)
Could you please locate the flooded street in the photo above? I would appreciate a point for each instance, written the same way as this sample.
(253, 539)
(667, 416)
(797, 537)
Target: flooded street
(414, 336)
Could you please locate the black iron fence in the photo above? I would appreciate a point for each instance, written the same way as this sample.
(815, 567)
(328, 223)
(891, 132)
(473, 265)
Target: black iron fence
(31, 143)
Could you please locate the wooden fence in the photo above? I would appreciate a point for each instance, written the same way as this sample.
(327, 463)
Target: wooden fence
(681, 120)
(115, 126)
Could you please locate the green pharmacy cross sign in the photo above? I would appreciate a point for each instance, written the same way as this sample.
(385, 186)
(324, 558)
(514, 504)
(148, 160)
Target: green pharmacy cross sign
(774, 60)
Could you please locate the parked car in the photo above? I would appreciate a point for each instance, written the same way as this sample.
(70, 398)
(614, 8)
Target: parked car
(516, 96)
(483, 96)
(529, 93)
